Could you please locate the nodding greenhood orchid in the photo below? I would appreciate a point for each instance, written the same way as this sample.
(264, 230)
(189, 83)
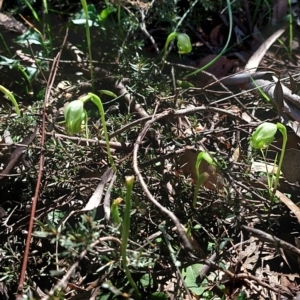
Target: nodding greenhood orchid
(183, 43)
(74, 114)
(263, 135)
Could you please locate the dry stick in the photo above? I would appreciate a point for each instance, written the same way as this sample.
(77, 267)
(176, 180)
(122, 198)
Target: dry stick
(39, 179)
(139, 140)
(129, 125)
(266, 237)
(17, 153)
(114, 145)
(187, 111)
(241, 276)
(128, 97)
(215, 80)
(117, 145)
(144, 29)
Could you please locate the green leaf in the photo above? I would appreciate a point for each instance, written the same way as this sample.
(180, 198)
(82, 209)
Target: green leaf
(106, 12)
(190, 278)
(31, 37)
(159, 296)
(11, 98)
(34, 13)
(108, 93)
(184, 84)
(4, 61)
(32, 72)
(55, 216)
(146, 281)
(42, 234)
(241, 296)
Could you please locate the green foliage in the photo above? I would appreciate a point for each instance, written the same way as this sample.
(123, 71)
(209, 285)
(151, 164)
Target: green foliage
(27, 72)
(34, 13)
(94, 17)
(190, 275)
(131, 257)
(129, 181)
(241, 296)
(11, 97)
(115, 215)
(191, 279)
(159, 296)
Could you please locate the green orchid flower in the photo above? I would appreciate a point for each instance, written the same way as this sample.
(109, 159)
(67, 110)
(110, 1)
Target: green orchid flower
(263, 135)
(183, 43)
(74, 114)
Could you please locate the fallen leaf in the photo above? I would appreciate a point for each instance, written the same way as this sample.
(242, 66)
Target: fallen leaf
(221, 67)
(216, 37)
(293, 141)
(95, 200)
(291, 165)
(289, 203)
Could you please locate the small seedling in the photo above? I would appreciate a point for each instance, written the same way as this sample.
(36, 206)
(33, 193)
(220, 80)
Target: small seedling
(129, 181)
(115, 214)
(11, 98)
(201, 178)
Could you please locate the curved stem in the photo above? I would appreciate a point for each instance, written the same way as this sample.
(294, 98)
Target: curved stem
(97, 101)
(88, 39)
(225, 47)
(125, 232)
(11, 98)
(282, 129)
